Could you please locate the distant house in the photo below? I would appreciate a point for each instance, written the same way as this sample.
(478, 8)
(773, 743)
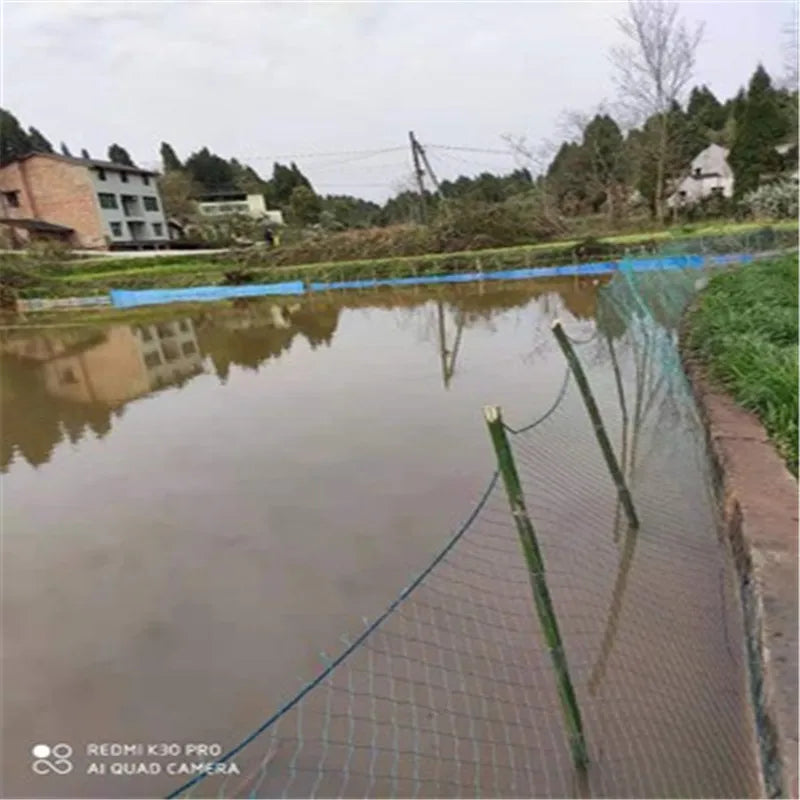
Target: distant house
(86, 203)
(222, 203)
(709, 175)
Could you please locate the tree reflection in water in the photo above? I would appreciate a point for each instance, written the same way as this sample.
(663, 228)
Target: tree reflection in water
(65, 384)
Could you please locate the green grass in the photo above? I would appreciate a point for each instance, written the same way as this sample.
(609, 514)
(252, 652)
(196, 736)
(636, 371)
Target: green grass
(99, 275)
(744, 327)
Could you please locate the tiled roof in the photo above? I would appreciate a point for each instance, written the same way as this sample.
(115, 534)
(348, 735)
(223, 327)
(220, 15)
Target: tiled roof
(89, 162)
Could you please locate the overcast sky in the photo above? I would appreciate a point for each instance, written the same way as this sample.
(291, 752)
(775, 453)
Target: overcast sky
(264, 80)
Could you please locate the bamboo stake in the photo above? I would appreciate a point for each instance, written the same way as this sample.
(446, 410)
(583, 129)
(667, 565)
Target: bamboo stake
(597, 422)
(541, 594)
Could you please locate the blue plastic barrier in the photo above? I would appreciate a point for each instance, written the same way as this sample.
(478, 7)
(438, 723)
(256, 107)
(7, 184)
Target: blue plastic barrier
(526, 273)
(123, 298)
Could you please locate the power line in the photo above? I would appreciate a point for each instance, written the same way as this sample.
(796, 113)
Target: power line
(360, 167)
(355, 185)
(474, 165)
(359, 153)
(469, 149)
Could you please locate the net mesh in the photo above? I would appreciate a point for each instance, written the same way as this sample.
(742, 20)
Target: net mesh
(451, 692)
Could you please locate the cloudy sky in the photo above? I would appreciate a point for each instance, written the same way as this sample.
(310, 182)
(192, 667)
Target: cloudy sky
(267, 80)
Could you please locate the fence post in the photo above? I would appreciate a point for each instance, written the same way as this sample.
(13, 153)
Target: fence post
(597, 422)
(541, 594)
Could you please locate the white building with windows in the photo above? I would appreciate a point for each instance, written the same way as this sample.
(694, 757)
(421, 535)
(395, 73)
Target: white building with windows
(709, 175)
(219, 204)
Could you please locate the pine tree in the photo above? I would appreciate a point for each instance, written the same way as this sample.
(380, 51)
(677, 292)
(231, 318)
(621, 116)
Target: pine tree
(119, 155)
(38, 141)
(705, 110)
(14, 142)
(304, 205)
(210, 171)
(85, 154)
(65, 150)
(169, 159)
(759, 128)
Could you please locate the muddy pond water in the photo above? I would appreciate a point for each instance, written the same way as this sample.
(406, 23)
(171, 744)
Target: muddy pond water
(197, 503)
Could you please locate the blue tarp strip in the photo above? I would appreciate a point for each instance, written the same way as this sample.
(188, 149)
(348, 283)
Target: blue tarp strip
(122, 298)
(568, 270)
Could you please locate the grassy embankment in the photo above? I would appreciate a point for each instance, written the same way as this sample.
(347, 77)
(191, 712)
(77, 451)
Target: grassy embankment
(97, 275)
(744, 328)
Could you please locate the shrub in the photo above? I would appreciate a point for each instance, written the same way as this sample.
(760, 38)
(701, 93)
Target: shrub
(49, 251)
(775, 201)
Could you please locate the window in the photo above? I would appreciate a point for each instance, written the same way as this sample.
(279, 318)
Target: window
(68, 376)
(171, 352)
(158, 229)
(101, 174)
(150, 203)
(116, 228)
(716, 190)
(145, 333)
(698, 171)
(123, 176)
(12, 198)
(188, 348)
(184, 326)
(145, 179)
(152, 359)
(107, 200)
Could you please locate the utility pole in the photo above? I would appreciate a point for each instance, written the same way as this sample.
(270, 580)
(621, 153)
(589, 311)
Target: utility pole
(425, 161)
(418, 173)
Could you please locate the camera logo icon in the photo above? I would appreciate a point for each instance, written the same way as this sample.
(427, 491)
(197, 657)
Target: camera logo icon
(49, 759)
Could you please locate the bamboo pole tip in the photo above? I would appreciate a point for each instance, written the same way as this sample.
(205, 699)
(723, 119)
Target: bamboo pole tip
(492, 413)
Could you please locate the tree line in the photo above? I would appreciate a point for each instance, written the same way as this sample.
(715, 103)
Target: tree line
(609, 161)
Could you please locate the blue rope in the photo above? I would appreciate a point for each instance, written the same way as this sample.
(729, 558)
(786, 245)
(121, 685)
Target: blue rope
(356, 643)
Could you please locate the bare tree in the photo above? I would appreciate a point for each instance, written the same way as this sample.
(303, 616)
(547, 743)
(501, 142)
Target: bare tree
(790, 53)
(654, 67)
(536, 159)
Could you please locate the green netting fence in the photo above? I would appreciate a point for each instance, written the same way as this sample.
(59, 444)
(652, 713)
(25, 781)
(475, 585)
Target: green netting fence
(451, 692)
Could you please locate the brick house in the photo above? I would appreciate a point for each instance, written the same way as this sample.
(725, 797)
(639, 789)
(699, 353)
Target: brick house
(93, 205)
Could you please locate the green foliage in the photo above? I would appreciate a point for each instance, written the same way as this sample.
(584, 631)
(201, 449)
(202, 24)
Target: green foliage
(209, 171)
(284, 181)
(604, 154)
(177, 190)
(745, 328)
(304, 206)
(14, 142)
(119, 155)
(488, 188)
(705, 110)
(65, 150)
(471, 226)
(38, 142)
(169, 159)
(775, 201)
(342, 211)
(760, 126)
(85, 153)
(567, 178)
(402, 209)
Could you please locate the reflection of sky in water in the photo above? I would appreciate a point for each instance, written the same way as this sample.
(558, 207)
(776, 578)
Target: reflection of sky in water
(260, 479)
(213, 517)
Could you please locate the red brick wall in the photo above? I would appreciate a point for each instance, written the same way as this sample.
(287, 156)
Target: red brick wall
(55, 191)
